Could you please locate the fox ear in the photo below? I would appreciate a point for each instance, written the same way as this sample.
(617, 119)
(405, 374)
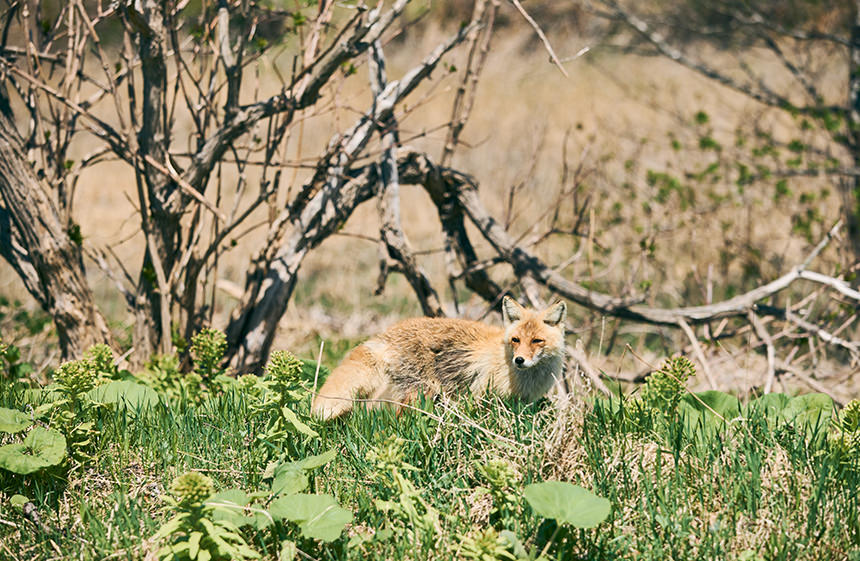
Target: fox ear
(555, 314)
(511, 310)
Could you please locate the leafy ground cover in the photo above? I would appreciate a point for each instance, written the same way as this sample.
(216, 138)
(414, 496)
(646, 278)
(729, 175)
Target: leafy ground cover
(108, 464)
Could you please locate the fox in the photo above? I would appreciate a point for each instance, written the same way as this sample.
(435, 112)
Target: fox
(434, 355)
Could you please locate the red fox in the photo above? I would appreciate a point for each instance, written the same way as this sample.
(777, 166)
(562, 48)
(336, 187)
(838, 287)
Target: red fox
(431, 355)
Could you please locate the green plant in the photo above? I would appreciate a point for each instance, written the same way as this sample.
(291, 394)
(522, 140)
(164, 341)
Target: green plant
(283, 402)
(13, 421)
(41, 448)
(193, 532)
(100, 359)
(409, 514)
(663, 389)
(73, 413)
(318, 516)
(843, 441)
(485, 545)
(11, 366)
(207, 352)
(162, 374)
(500, 478)
(566, 503)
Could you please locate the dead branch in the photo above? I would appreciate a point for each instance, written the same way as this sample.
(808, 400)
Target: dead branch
(547, 45)
(765, 337)
(479, 48)
(304, 92)
(397, 247)
(761, 93)
(810, 381)
(528, 266)
(322, 205)
(697, 350)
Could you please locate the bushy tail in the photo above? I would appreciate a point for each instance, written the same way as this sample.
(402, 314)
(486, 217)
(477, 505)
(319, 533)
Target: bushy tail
(357, 376)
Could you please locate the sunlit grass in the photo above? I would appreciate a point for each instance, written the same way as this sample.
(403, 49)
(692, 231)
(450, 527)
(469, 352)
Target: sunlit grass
(747, 490)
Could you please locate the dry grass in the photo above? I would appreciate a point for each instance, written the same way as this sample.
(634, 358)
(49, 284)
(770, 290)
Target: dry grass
(613, 118)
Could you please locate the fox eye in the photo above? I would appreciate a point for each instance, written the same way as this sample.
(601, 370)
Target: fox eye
(537, 341)
(515, 339)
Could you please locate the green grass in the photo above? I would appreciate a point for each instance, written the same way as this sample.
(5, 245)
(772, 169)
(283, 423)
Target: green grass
(749, 489)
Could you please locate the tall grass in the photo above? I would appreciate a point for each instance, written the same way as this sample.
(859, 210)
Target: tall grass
(747, 489)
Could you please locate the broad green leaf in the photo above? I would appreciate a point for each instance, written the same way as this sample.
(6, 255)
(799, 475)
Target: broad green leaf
(18, 501)
(229, 505)
(724, 404)
(319, 516)
(133, 394)
(41, 448)
(567, 503)
(194, 544)
(12, 420)
(291, 416)
(313, 462)
(770, 405)
(289, 479)
(811, 412)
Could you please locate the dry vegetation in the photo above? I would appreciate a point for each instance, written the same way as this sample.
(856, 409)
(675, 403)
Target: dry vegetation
(588, 145)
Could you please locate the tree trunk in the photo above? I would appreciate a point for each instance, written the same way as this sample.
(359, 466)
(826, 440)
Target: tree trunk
(160, 201)
(270, 282)
(36, 243)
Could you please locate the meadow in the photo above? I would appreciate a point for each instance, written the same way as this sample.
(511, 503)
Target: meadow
(662, 474)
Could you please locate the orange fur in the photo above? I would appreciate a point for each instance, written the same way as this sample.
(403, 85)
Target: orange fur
(432, 355)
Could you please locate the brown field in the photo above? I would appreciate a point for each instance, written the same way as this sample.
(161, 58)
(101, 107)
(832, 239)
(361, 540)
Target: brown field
(615, 118)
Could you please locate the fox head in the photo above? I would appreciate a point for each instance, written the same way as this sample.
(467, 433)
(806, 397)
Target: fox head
(533, 335)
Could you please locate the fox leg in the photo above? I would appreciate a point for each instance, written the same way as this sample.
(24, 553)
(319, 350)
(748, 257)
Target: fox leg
(359, 375)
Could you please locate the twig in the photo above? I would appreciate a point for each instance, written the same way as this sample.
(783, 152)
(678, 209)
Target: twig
(811, 382)
(317, 371)
(852, 346)
(540, 34)
(578, 355)
(762, 333)
(697, 350)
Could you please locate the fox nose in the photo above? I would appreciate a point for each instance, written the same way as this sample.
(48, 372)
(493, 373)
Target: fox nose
(519, 360)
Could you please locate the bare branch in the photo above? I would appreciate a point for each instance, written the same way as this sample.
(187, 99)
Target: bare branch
(851, 346)
(540, 34)
(391, 231)
(311, 81)
(765, 337)
(811, 382)
(763, 95)
(697, 350)
(759, 20)
(465, 97)
(323, 205)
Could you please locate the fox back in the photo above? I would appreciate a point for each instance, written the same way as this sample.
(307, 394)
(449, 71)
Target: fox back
(432, 355)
